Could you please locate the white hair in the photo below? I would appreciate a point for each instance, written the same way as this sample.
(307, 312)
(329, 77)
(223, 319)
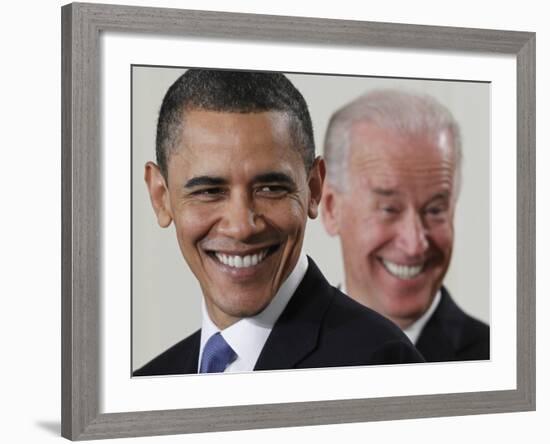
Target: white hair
(397, 111)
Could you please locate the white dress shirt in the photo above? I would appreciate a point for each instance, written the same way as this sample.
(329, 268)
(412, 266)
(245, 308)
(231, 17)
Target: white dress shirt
(248, 336)
(413, 331)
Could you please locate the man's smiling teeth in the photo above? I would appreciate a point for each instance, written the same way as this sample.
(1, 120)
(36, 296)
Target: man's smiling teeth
(242, 261)
(402, 271)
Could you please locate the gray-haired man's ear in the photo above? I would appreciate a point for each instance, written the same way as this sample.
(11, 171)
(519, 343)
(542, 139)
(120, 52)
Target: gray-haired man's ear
(159, 194)
(329, 209)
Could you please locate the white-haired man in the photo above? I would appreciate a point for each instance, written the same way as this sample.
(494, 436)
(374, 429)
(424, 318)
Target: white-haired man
(393, 173)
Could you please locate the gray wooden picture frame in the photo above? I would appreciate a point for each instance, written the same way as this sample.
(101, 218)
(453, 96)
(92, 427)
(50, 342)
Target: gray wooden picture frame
(81, 243)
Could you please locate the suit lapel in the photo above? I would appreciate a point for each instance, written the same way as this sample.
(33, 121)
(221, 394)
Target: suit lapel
(190, 356)
(296, 332)
(439, 340)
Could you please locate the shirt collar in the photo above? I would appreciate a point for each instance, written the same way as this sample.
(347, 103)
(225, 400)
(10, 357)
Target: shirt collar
(248, 336)
(413, 331)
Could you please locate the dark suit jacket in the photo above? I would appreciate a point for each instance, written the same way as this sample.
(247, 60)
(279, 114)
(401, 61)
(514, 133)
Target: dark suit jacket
(320, 327)
(452, 335)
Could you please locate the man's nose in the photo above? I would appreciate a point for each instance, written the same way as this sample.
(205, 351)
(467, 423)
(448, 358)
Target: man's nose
(239, 219)
(412, 237)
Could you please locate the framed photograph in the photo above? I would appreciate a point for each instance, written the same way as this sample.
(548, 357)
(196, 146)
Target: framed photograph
(117, 63)
(164, 306)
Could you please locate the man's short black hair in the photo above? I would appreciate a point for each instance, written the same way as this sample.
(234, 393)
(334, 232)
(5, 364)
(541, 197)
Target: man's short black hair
(232, 91)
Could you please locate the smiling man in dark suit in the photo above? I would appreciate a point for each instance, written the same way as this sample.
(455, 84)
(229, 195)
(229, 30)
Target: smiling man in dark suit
(393, 173)
(237, 175)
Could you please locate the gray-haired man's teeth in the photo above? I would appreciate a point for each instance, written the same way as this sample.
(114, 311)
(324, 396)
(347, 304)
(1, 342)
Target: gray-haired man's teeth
(402, 271)
(242, 261)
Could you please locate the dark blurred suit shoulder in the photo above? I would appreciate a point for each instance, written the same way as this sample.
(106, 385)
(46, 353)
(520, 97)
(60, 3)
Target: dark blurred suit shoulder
(320, 327)
(452, 335)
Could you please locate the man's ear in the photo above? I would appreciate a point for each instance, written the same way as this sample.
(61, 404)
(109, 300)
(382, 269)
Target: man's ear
(159, 194)
(315, 184)
(330, 209)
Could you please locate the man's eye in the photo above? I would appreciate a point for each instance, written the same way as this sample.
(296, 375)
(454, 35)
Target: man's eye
(390, 210)
(272, 190)
(208, 192)
(435, 211)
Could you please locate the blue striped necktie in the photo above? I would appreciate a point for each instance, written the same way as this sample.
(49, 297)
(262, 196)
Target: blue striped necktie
(217, 355)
